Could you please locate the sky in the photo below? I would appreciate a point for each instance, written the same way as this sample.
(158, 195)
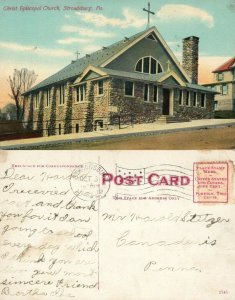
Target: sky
(45, 37)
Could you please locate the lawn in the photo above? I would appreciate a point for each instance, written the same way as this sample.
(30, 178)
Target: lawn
(216, 138)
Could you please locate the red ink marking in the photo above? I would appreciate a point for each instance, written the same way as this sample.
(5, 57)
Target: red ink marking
(210, 182)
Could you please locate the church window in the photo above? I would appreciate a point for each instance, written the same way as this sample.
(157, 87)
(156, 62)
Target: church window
(61, 98)
(155, 93)
(194, 99)
(80, 93)
(138, 67)
(146, 92)
(36, 105)
(203, 100)
(99, 125)
(100, 87)
(181, 97)
(151, 37)
(188, 98)
(129, 88)
(159, 70)
(148, 65)
(154, 66)
(48, 98)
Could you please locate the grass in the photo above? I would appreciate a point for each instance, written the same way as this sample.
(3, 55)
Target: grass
(215, 138)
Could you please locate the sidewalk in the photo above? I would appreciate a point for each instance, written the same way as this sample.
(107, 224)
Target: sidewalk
(136, 130)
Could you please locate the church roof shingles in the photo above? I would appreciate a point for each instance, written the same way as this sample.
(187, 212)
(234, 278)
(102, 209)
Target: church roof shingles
(75, 68)
(97, 59)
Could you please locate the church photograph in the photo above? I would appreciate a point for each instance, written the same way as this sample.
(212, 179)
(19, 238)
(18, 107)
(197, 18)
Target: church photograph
(137, 79)
(78, 73)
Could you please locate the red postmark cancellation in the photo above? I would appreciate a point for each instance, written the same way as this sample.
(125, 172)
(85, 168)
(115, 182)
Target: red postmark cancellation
(210, 182)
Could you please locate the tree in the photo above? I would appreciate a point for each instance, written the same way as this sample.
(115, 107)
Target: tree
(20, 82)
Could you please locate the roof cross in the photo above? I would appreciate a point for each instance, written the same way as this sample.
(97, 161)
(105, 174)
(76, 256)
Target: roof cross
(149, 12)
(168, 65)
(77, 53)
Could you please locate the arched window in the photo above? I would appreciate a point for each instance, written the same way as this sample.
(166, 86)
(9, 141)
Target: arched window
(148, 65)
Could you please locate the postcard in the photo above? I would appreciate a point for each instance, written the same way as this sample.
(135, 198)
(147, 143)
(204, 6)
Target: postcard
(144, 77)
(106, 225)
(98, 76)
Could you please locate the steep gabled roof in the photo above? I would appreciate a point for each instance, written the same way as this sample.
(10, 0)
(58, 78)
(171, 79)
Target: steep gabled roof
(96, 58)
(152, 30)
(174, 76)
(226, 66)
(103, 57)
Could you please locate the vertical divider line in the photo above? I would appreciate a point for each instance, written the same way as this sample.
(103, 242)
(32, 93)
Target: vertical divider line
(99, 230)
(99, 243)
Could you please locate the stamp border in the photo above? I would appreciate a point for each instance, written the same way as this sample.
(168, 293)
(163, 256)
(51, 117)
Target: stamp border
(213, 162)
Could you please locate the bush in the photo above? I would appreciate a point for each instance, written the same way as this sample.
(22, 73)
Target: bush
(224, 114)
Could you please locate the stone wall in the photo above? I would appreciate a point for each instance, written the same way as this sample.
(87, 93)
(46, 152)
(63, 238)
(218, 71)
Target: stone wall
(93, 108)
(101, 103)
(193, 112)
(73, 116)
(29, 112)
(49, 118)
(36, 113)
(142, 111)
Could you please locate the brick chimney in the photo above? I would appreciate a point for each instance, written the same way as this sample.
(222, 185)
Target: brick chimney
(190, 57)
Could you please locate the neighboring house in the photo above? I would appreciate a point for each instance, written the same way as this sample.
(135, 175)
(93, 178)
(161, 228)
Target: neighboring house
(9, 126)
(8, 112)
(224, 84)
(138, 76)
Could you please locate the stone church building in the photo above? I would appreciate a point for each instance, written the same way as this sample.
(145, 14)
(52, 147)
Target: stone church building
(138, 79)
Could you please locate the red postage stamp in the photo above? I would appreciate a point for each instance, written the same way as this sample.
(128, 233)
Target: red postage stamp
(211, 182)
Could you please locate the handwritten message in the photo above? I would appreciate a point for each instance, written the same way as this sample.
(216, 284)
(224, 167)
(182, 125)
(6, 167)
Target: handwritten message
(48, 235)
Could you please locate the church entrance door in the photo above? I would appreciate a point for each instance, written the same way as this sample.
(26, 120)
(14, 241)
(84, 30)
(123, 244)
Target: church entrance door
(166, 102)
